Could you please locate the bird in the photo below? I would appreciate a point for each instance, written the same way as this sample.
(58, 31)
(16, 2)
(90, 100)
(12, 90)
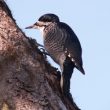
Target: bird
(63, 46)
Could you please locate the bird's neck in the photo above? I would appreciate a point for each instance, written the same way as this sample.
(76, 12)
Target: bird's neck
(42, 30)
(48, 28)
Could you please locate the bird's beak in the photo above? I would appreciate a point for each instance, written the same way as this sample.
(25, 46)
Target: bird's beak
(34, 26)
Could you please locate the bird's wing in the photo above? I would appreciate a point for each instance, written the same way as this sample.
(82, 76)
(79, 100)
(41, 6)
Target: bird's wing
(72, 45)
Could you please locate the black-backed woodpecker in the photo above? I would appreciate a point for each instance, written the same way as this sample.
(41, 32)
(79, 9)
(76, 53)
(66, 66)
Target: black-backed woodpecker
(63, 46)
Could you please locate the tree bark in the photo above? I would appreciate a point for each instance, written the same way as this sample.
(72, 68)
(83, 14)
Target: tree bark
(27, 80)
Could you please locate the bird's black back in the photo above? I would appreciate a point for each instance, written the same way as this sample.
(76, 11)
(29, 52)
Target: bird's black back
(72, 43)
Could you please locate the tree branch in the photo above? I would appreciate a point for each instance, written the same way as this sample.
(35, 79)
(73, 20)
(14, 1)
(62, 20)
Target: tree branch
(27, 80)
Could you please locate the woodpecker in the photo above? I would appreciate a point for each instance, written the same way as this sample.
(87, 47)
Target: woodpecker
(63, 46)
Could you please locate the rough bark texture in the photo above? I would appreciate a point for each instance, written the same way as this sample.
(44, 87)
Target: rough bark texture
(27, 80)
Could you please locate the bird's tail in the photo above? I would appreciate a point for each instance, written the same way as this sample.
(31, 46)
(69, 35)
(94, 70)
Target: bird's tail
(66, 76)
(80, 68)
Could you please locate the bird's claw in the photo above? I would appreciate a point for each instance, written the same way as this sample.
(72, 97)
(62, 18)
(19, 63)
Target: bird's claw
(44, 52)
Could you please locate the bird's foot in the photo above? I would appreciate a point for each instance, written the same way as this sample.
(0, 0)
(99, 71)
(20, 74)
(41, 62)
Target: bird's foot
(40, 45)
(44, 52)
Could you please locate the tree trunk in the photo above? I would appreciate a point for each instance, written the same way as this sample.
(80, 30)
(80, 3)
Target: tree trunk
(27, 80)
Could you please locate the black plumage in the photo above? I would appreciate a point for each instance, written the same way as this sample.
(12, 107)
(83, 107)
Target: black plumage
(63, 46)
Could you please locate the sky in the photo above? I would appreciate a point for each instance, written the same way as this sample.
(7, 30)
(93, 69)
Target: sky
(90, 20)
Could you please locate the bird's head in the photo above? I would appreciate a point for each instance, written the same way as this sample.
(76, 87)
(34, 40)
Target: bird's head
(44, 21)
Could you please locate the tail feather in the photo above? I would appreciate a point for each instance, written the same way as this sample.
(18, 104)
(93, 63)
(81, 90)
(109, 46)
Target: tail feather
(66, 76)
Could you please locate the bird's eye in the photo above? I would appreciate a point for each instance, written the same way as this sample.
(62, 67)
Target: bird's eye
(45, 25)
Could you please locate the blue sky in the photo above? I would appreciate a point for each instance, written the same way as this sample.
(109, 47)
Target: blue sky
(90, 19)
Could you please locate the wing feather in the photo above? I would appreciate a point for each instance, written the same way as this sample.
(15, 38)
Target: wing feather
(71, 44)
